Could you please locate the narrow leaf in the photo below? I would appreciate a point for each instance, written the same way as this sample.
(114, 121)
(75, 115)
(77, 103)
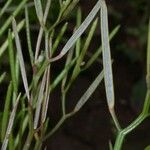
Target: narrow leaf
(70, 8)
(39, 10)
(10, 124)
(108, 77)
(62, 74)
(99, 50)
(39, 101)
(21, 60)
(12, 62)
(2, 77)
(24, 126)
(78, 23)
(76, 70)
(110, 145)
(79, 31)
(6, 111)
(28, 35)
(39, 39)
(2, 11)
(89, 92)
(46, 97)
(59, 37)
(68, 61)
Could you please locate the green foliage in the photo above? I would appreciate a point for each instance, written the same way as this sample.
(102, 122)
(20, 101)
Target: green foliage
(28, 107)
(147, 148)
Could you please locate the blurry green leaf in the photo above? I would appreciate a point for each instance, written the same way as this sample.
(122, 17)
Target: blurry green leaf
(5, 44)
(2, 11)
(79, 31)
(12, 62)
(9, 20)
(59, 37)
(107, 64)
(147, 148)
(62, 74)
(23, 127)
(39, 10)
(70, 8)
(21, 60)
(108, 77)
(39, 101)
(10, 124)
(2, 77)
(89, 92)
(46, 97)
(78, 23)
(110, 145)
(43, 22)
(6, 111)
(48, 4)
(99, 50)
(76, 70)
(28, 35)
(68, 61)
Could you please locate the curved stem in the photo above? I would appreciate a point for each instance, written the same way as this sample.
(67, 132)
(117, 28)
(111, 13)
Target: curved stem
(114, 117)
(134, 124)
(124, 132)
(146, 108)
(61, 121)
(146, 103)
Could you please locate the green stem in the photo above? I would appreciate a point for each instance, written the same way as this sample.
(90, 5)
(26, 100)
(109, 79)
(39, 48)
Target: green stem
(64, 103)
(61, 121)
(28, 141)
(114, 117)
(134, 124)
(59, 124)
(146, 103)
(124, 132)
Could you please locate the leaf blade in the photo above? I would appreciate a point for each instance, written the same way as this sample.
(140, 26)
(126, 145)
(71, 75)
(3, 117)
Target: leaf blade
(89, 92)
(108, 77)
(79, 31)
(21, 60)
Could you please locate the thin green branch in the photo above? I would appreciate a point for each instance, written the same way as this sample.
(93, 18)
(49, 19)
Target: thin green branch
(145, 112)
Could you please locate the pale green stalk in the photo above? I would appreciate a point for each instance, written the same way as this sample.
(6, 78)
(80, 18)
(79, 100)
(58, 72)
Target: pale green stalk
(108, 76)
(42, 20)
(10, 124)
(21, 60)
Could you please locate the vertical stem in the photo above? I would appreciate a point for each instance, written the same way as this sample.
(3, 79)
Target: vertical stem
(63, 103)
